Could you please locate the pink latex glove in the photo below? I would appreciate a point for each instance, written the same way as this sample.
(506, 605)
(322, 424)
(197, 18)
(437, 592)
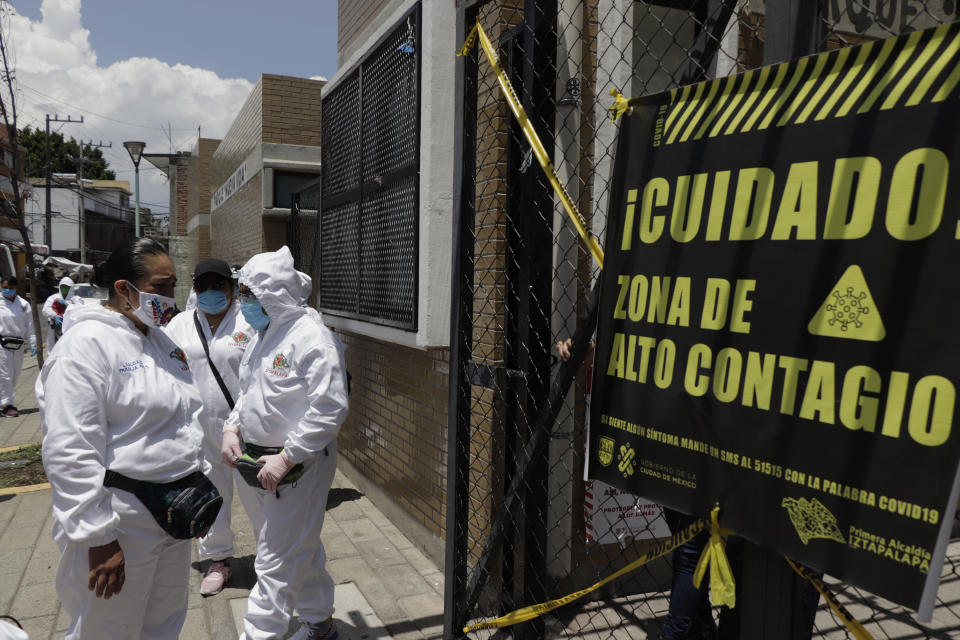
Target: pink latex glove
(230, 448)
(274, 468)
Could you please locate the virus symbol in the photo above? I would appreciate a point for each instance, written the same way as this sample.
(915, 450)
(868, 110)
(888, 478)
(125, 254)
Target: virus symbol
(847, 309)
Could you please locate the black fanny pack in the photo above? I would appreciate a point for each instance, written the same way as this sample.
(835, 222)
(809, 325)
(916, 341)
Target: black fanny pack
(248, 466)
(11, 343)
(184, 508)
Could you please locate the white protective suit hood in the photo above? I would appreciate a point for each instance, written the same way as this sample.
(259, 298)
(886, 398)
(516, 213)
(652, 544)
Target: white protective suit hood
(65, 280)
(81, 312)
(279, 287)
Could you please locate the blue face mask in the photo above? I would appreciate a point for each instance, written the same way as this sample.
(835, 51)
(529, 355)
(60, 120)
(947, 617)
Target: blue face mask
(212, 301)
(254, 315)
(8, 293)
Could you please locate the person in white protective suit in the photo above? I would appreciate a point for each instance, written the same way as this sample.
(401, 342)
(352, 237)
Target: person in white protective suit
(120, 412)
(53, 309)
(16, 337)
(293, 399)
(215, 332)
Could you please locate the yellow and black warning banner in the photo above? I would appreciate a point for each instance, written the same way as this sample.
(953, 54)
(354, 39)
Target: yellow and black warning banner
(780, 315)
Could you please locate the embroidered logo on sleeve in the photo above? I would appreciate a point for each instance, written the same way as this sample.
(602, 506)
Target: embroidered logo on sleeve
(178, 354)
(280, 368)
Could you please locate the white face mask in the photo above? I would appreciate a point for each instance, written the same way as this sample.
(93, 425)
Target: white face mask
(155, 310)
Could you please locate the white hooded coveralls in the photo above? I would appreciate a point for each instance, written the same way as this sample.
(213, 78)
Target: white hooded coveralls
(113, 398)
(16, 319)
(226, 350)
(293, 395)
(50, 313)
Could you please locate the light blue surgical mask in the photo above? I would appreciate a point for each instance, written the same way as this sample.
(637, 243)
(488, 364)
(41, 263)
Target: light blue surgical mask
(254, 314)
(212, 301)
(8, 293)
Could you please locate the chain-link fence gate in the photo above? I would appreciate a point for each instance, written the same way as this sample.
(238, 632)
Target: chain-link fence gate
(523, 525)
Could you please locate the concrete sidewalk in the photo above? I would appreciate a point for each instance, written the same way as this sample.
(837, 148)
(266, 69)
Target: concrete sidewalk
(386, 587)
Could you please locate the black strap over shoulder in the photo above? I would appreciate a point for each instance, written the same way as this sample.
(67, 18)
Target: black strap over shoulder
(213, 367)
(120, 481)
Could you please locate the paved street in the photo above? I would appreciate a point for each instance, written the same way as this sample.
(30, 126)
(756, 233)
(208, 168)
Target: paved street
(385, 586)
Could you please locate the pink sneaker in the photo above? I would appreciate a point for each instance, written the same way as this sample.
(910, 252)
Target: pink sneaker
(216, 577)
(10, 411)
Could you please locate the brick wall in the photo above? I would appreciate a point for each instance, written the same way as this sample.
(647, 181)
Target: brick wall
(201, 164)
(203, 243)
(352, 17)
(183, 196)
(204, 151)
(236, 231)
(396, 432)
(274, 233)
(236, 227)
(241, 138)
(279, 110)
(291, 110)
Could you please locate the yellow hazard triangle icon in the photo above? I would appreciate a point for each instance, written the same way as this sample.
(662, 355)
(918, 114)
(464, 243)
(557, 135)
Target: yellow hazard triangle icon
(849, 311)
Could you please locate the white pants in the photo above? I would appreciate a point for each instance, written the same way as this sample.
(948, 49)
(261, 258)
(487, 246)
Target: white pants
(290, 564)
(51, 337)
(218, 543)
(10, 364)
(153, 601)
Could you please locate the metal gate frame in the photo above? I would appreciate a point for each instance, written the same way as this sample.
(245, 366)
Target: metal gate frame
(461, 597)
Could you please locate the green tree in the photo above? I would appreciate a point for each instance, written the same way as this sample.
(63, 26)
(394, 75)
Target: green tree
(62, 156)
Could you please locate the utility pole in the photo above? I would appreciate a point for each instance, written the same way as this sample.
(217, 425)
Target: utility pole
(83, 208)
(48, 176)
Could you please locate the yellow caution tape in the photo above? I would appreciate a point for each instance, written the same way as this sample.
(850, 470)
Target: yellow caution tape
(530, 133)
(852, 623)
(619, 107)
(722, 584)
(468, 43)
(531, 612)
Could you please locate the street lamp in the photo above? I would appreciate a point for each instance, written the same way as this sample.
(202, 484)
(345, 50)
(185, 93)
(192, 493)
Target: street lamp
(135, 149)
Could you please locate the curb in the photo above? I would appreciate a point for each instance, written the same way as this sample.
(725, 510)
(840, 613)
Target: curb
(24, 489)
(17, 446)
(27, 488)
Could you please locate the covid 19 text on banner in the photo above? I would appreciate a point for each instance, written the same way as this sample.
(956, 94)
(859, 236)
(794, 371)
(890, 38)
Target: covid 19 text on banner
(780, 322)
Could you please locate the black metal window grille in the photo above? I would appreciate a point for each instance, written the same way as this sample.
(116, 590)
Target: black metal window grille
(370, 184)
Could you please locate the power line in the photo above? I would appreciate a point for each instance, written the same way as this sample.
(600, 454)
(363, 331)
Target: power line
(99, 115)
(65, 184)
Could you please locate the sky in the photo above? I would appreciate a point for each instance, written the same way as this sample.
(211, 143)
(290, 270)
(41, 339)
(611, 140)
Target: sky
(156, 71)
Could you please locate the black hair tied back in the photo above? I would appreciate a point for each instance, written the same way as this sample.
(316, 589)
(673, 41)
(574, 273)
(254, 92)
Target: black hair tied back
(127, 262)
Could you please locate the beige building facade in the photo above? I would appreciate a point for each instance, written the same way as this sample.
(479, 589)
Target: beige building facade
(271, 150)
(230, 198)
